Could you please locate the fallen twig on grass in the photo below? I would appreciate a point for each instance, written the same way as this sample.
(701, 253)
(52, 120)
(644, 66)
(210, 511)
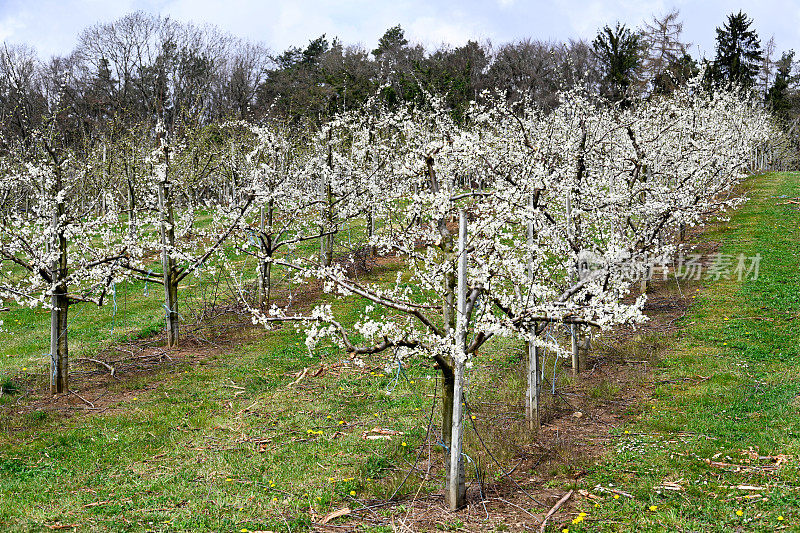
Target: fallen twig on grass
(95, 504)
(302, 375)
(105, 365)
(344, 511)
(601, 488)
(553, 510)
(518, 507)
(87, 402)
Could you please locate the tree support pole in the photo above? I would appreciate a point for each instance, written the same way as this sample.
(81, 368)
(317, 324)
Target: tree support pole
(456, 493)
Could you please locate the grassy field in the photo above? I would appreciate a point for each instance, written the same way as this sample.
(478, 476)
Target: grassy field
(221, 438)
(251, 432)
(718, 449)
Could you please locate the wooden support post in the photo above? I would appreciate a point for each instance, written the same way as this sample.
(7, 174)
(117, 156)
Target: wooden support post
(573, 277)
(534, 385)
(533, 371)
(456, 494)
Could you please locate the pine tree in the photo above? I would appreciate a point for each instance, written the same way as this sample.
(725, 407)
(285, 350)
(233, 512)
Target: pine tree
(676, 74)
(739, 55)
(393, 39)
(618, 51)
(778, 96)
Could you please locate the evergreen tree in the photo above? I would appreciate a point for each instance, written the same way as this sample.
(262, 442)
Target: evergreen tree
(739, 55)
(678, 72)
(393, 39)
(779, 97)
(618, 51)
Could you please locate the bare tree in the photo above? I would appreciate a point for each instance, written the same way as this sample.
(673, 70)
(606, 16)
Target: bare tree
(766, 73)
(526, 67)
(663, 47)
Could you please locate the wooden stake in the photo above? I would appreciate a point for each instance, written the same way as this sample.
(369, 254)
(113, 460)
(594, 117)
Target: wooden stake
(456, 489)
(534, 372)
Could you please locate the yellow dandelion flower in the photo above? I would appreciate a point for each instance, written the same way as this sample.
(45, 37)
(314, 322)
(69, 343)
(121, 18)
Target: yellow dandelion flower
(404, 444)
(352, 493)
(780, 518)
(654, 508)
(616, 496)
(739, 512)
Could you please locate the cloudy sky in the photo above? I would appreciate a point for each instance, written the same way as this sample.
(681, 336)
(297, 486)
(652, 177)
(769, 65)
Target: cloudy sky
(51, 26)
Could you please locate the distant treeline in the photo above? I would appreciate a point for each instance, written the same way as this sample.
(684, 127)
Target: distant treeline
(143, 67)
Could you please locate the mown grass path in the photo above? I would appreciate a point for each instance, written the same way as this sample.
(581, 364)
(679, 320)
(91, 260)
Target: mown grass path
(718, 448)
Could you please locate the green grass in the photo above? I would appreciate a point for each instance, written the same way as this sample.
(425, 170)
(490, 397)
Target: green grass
(222, 444)
(728, 394)
(225, 443)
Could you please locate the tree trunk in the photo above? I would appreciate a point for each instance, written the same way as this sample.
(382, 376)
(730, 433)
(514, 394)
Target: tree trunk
(371, 231)
(265, 266)
(585, 347)
(326, 239)
(171, 302)
(168, 264)
(59, 355)
(265, 281)
(132, 230)
(576, 358)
